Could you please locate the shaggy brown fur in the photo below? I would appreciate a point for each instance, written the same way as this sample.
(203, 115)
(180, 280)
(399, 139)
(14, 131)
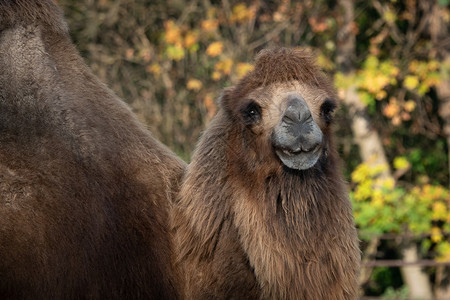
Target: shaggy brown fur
(84, 189)
(246, 226)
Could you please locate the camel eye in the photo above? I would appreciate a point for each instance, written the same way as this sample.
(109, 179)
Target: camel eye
(326, 109)
(251, 113)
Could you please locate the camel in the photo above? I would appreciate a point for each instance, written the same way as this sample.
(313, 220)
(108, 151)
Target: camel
(263, 211)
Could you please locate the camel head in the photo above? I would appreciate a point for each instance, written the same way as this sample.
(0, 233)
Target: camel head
(284, 108)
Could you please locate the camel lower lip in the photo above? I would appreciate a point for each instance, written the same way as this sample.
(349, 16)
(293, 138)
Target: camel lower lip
(299, 159)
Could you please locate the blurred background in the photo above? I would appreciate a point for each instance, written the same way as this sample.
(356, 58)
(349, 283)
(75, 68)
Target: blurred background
(390, 61)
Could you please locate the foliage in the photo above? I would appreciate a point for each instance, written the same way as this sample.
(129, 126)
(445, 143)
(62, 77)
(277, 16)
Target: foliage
(382, 207)
(386, 282)
(392, 294)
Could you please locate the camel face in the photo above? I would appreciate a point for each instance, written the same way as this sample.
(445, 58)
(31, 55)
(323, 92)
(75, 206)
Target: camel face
(291, 116)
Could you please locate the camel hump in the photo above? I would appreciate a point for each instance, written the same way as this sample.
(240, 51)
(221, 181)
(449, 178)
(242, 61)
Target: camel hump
(43, 13)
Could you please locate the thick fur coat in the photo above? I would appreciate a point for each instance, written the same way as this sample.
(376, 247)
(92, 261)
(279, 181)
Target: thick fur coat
(85, 190)
(248, 227)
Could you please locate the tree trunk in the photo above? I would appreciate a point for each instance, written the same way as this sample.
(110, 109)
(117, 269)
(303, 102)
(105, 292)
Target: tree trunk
(369, 141)
(417, 281)
(365, 136)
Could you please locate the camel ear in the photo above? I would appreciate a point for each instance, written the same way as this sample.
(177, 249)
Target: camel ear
(224, 99)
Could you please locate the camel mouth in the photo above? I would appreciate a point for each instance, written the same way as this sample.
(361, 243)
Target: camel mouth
(299, 158)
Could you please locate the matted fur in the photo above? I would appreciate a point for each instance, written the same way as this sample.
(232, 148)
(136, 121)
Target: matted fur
(246, 227)
(85, 190)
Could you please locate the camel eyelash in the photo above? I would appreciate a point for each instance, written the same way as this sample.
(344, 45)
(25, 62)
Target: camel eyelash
(251, 113)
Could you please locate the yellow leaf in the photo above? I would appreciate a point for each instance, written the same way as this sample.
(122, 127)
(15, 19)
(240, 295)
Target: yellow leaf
(190, 39)
(214, 49)
(325, 62)
(443, 249)
(433, 65)
(411, 82)
(377, 198)
(439, 211)
(209, 25)
(241, 13)
(389, 183)
(242, 69)
(380, 95)
(392, 109)
(389, 16)
(379, 82)
(175, 52)
(216, 75)
(361, 173)
(363, 191)
(436, 234)
(194, 85)
(155, 69)
(224, 66)
(400, 163)
(432, 81)
(343, 81)
(413, 66)
(409, 105)
(378, 202)
(173, 32)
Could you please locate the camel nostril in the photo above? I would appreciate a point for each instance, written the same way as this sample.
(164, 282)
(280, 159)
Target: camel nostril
(297, 112)
(289, 119)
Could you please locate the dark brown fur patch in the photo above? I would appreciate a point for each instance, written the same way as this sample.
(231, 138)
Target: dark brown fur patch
(25, 12)
(85, 190)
